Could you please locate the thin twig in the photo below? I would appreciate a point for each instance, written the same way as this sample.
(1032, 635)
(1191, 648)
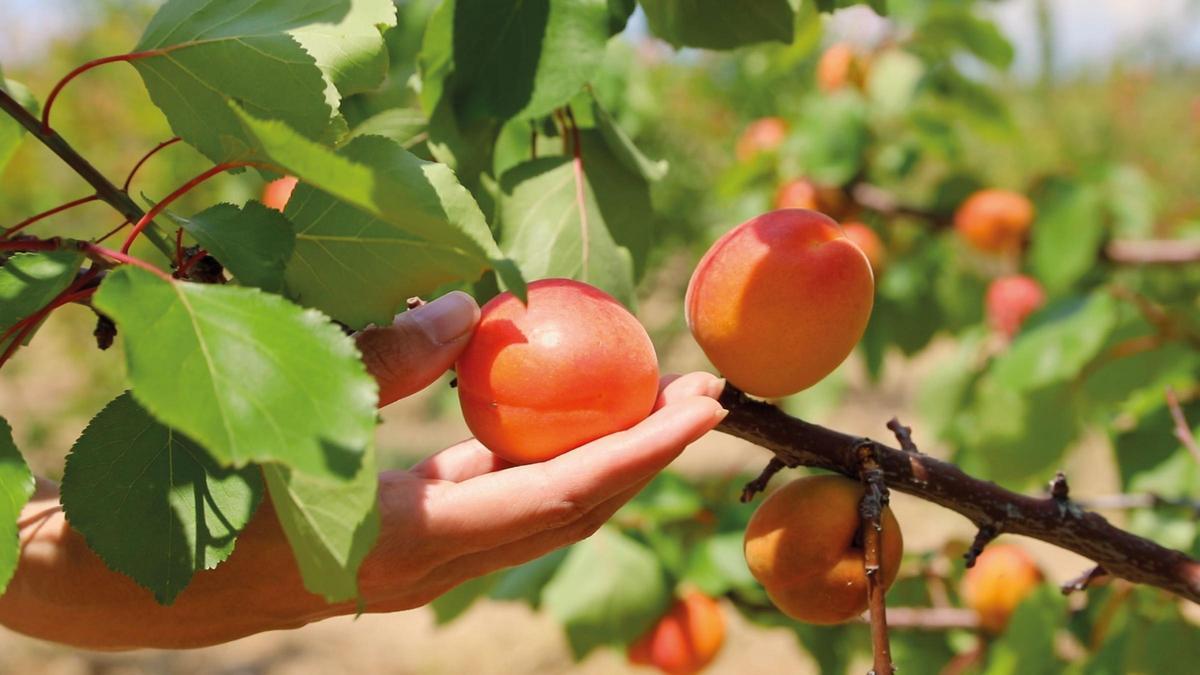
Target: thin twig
(933, 619)
(1154, 252)
(759, 484)
(1083, 581)
(875, 499)
(1182, 430)
(46, 214)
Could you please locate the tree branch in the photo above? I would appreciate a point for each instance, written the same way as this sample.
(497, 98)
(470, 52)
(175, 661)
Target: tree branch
(799, 443)
(1154, 252)
(105, 190)
(875, 498)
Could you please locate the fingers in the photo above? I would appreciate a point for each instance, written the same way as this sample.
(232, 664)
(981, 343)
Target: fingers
(497, 508)
(460, 462)
(419, 346)
(673, 388)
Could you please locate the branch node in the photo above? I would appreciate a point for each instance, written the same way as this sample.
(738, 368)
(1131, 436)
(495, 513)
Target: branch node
(1083, 581)
(759, 484)
(903, 435)
(1059, 489)
(982, 538)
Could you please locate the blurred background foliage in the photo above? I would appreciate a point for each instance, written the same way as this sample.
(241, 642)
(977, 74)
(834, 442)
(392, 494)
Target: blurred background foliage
(1107, 147)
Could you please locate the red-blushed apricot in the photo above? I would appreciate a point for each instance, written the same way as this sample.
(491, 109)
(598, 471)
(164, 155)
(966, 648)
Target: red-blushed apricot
(870, 243)
(804, 545)
(1010, 300)
(779, 301)
(840, 66)
(797, 193)
(994, 221)
(765, 134)
(277, 193)
(540, 379)
(685, 640)
(1001, 578)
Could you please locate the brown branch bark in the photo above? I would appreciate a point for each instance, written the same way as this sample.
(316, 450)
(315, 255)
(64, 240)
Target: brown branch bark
(875, 498)
(1154, 252)
(1064, 524)
(105, 189)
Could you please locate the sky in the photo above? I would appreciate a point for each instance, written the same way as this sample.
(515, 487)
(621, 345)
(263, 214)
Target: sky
(1090, 33)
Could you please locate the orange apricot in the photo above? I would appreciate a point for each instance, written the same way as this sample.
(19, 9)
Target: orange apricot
(1001, 578)
(994, 221)
(840, 66)
(804, 545)
(277, 193)
(571, 366)
(801, 193)
(1010, 300)
(779, 301)
(685, 640)
(765, 134)
(870, 243)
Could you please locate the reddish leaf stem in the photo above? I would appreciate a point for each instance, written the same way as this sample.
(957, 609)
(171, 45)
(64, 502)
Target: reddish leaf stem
(158, 208)
(112, 231)
(148, 155)
(132, 56)
(123, 257)
(31, 245)
(46, 214)
(186, 267)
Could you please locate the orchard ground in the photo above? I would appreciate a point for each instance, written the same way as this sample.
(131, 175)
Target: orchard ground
(52, 388)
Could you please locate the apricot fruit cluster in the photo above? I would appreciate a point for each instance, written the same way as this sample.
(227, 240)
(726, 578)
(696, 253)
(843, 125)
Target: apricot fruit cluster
(762, 135)
(1010, 300)
(778, 302)
(685, 640)
(568, 367)
(1003, 576)
(804, 545)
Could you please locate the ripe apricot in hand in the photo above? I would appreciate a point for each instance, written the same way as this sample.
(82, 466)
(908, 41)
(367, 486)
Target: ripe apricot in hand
(870, 243)
(779, 301)
(1001, 578)
(804, 545)
(994, 221)
(765, 134)
(685, 640)
(1010, 300)
(277, 193)
(540, 379)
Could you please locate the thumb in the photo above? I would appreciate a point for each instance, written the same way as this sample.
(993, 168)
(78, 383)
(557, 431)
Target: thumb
(419, 346)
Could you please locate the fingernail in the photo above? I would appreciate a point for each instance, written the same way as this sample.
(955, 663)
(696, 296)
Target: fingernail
(446, 319)
(720, 414)
(716, 387)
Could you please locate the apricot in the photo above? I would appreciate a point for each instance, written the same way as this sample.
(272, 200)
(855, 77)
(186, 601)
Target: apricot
(685, 640)
(1010, 300)
(804, 545)
(765, 134)
(779, 301)
(994, 221)
(870, 243)
(277, 193)
(840, 66)
(1001, 578)
(571, 366)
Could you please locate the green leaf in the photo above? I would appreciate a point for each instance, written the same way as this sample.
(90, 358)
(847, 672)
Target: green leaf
(253, 242)
(1067, 234)
(546, 231)
(1151, 459)
(403, 125)
(453, 603)
(609, 590)
(718, 564)
(831, 139)
(622, 148)
(880, 6)
(248, 375)
(1058, 342)
(1017, 436)
(281, 60)
(668, 497)
(416, 201)
(331, 523)
(952, 27)
(525, 582)
(28, 281)
(1027, 645)
(524, 59)
(16, 487)
(719, 24)
(129, 473)
(11, 132)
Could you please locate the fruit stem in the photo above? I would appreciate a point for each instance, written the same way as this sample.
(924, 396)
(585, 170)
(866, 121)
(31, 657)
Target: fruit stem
(132, 56)
(158, 208)
(46, 214)
(875, 498)
(140, 162)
